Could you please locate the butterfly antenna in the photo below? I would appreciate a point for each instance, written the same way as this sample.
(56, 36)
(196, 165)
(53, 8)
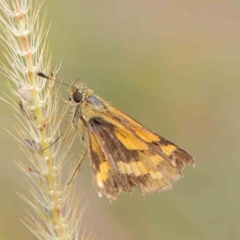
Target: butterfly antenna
(50, 78)
(61, 78)
(76, 81)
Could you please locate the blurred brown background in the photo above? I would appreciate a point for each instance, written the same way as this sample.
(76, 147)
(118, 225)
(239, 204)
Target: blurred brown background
(174, 66)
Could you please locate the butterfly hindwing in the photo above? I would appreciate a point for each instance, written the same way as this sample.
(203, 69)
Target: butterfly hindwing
(100, 167)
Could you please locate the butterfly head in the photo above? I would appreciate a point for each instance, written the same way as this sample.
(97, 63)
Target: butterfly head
(77, 93)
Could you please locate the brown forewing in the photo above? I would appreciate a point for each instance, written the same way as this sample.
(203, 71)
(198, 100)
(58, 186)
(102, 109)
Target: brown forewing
(125, 154)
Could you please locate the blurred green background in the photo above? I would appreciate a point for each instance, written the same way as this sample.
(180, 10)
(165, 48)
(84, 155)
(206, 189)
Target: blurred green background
(174, 66)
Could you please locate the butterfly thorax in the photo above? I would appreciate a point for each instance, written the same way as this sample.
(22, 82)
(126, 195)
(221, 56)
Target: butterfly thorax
(92, 106)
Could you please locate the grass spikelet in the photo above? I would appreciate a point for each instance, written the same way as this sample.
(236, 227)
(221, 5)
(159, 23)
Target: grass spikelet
(56, 213)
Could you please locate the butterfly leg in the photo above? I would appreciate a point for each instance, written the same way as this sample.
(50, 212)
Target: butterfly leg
(77, 168)
(64, 129)
(75, 118)
(84, 139)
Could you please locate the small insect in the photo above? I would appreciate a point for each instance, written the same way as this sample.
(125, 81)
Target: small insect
(124, 154)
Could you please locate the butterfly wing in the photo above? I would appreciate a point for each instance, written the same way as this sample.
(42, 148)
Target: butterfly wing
(125, 154)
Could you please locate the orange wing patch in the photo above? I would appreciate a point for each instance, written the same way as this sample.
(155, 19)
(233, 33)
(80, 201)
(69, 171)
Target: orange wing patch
(102, 175)
(142, 167)
(156, 159)
(146, 136)
(168, 149)
(155, 175)
(129, 140)
(139, 129)
(124, 168)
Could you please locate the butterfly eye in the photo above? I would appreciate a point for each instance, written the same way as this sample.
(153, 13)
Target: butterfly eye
(77, 97)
